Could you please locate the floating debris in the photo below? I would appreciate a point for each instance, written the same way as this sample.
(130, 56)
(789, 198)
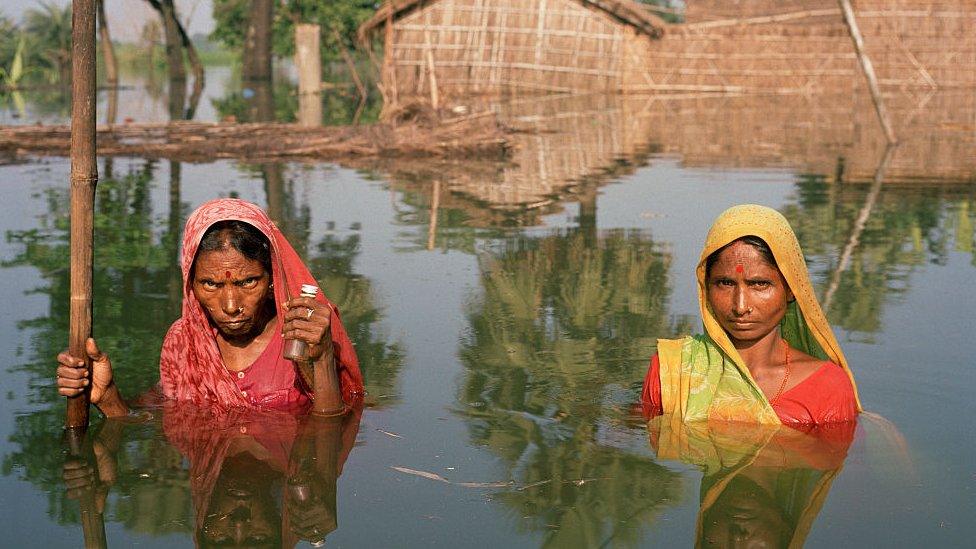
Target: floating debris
(389, 434)
(438, 478)
(425, 474)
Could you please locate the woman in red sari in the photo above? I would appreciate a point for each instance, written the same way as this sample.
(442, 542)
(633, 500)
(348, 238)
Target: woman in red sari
(241, 301)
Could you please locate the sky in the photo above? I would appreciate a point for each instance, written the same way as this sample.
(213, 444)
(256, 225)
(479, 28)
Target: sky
(126, 17)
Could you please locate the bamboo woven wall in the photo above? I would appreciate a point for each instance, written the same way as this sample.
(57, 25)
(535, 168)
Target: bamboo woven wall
(734, 45)
(513, 47)
(508, 47)
(928, 43)
(766, 58)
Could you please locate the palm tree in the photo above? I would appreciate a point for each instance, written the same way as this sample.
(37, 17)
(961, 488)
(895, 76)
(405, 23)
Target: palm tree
(49, 30)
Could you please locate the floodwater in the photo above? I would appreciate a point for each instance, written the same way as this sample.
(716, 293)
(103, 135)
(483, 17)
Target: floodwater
(504, 314)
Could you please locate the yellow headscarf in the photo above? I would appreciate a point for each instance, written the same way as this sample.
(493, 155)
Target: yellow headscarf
(703, 377)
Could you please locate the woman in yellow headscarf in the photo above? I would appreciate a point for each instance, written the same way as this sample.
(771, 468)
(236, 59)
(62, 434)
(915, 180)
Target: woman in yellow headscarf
(768, 354)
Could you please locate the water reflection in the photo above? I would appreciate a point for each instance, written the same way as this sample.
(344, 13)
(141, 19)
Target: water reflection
(261, 478)
(864, 263)
(763, 486)
(254, 478)
(562, 330)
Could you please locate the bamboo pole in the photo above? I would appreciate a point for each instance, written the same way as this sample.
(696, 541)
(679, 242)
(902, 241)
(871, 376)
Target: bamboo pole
(84, 175)
(868, 69)
(389, 67)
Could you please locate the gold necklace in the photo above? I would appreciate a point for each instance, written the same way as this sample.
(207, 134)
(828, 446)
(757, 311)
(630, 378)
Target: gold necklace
(786, 376)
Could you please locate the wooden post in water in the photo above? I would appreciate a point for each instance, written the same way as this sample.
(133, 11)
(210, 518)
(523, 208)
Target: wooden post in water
(868, 68)
(84, 175)
(308, 63)
(435, 204)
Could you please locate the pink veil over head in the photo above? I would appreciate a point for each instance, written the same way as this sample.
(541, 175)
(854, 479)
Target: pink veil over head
(190, 365)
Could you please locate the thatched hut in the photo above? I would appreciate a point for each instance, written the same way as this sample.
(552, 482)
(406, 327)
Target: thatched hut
(502, 47)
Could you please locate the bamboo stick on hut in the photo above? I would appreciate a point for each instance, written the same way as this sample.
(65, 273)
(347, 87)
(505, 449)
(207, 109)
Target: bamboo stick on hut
(868, 69)
(388, 65)
(434, 95)
(763, 20)
(84, 175)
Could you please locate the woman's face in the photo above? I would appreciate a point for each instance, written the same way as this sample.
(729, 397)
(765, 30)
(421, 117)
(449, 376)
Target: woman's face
(748, 295)
(233, 290)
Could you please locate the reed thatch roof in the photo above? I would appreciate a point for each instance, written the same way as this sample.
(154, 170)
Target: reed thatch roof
(625, 11)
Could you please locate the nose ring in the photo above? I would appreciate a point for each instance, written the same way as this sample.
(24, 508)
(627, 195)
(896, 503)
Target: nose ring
(240, 310)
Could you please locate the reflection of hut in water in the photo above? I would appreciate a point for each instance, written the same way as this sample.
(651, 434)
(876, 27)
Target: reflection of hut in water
(565, 148)
(463, 47)
(831, 135)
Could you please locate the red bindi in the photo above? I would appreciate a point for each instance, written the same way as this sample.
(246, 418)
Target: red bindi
(739, 269)
(227, 274)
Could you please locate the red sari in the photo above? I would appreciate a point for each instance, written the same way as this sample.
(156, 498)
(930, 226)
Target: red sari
(827, 396)
(190, 365)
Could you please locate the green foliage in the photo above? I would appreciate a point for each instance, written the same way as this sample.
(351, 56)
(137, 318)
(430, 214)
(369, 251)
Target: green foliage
(11, 76)
(8, 40)
(344, 16)
(40, 47)
(48, 31)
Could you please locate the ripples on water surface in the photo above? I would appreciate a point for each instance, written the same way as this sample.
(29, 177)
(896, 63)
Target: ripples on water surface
(504, 334)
